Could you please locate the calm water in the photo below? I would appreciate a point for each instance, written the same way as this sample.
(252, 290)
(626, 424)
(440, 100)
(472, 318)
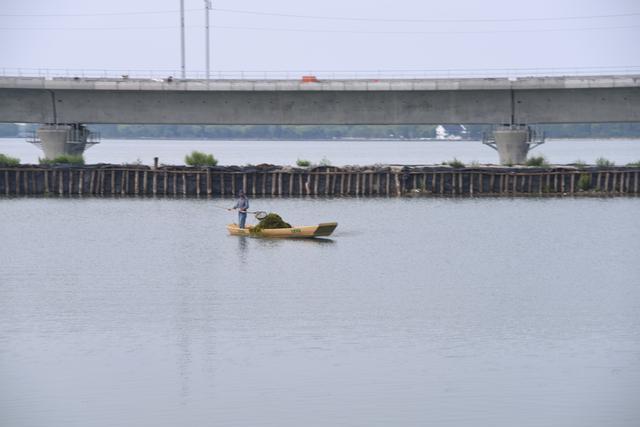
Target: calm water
(491, 312)
(339, 153)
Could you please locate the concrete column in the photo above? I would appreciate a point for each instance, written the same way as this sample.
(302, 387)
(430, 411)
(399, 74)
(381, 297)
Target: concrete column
(512, 144)
(57, 140)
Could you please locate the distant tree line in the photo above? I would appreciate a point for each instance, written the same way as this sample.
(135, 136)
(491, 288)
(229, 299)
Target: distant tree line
(317, 132)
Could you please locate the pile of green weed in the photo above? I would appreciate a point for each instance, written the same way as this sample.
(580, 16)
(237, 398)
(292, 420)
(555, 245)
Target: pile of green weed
(272, 220)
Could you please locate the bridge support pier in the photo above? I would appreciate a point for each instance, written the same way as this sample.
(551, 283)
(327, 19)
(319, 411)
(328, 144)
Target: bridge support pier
(513, 142)
(63, 139)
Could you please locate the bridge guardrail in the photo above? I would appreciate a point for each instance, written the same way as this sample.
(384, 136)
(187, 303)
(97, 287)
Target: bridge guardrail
(51, 73)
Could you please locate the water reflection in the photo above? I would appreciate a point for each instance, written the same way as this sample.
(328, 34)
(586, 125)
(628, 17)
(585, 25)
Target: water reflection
(243, 248)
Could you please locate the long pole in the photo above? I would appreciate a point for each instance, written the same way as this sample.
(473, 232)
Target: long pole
(184, 73)
(207, 8)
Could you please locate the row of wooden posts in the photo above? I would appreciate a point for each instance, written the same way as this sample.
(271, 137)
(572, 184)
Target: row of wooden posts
(124, 181)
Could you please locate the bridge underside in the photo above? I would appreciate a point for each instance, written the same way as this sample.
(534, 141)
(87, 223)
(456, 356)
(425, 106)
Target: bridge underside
(592, 105)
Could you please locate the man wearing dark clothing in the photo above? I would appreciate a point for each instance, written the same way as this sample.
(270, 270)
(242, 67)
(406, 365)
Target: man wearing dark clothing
(242, 204)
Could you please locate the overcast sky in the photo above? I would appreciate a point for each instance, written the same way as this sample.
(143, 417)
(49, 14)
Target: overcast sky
(326, 34)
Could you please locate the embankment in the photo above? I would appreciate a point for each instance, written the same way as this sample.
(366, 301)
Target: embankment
(270, 180)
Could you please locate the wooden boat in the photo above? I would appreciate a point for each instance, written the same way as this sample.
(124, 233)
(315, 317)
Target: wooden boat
(305, 231)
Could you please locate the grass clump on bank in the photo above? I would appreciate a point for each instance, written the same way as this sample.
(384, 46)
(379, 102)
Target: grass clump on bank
(198, 158)
(272, 220)
(303, 163)
(580, 164)
(66, 159)
(8, 160)
(584, 182)
(601, 162)
(324, 162)
(539, 161)
(455, 163)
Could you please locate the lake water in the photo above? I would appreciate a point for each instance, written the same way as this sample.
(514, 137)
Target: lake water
(338, 153)
(444, 312)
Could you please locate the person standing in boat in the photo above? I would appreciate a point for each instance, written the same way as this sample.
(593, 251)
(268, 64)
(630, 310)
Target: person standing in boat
(242, 204)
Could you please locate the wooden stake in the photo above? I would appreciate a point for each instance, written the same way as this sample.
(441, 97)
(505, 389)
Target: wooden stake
(254, 177)
(46, 181)
(388, 184)
(628, 182)
(292, 177)
(145, 176)
(25, 182)
(301, 186)
(315, 183)
(233, 184)
(572, 183)
(154, 183)
(91, 180)
(175, 184)
(327, 183)
(471, 178)
(540, 177)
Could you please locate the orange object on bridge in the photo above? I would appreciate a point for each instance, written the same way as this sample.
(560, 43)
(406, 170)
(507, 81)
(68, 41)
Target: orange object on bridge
(309, 79)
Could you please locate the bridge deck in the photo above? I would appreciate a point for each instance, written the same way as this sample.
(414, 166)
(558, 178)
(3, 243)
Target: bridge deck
(130, 84)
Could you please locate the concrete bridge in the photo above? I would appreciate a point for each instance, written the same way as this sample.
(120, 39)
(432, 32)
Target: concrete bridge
(62, 105)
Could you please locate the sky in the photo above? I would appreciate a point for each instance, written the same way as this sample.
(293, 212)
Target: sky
(354, 35)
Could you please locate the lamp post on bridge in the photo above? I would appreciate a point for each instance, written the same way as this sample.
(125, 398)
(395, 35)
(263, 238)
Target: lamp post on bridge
(182, 56)
(207, 8)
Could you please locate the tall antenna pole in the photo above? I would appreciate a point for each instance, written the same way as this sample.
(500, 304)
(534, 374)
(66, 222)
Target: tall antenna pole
(207, 8)
(184, 74)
